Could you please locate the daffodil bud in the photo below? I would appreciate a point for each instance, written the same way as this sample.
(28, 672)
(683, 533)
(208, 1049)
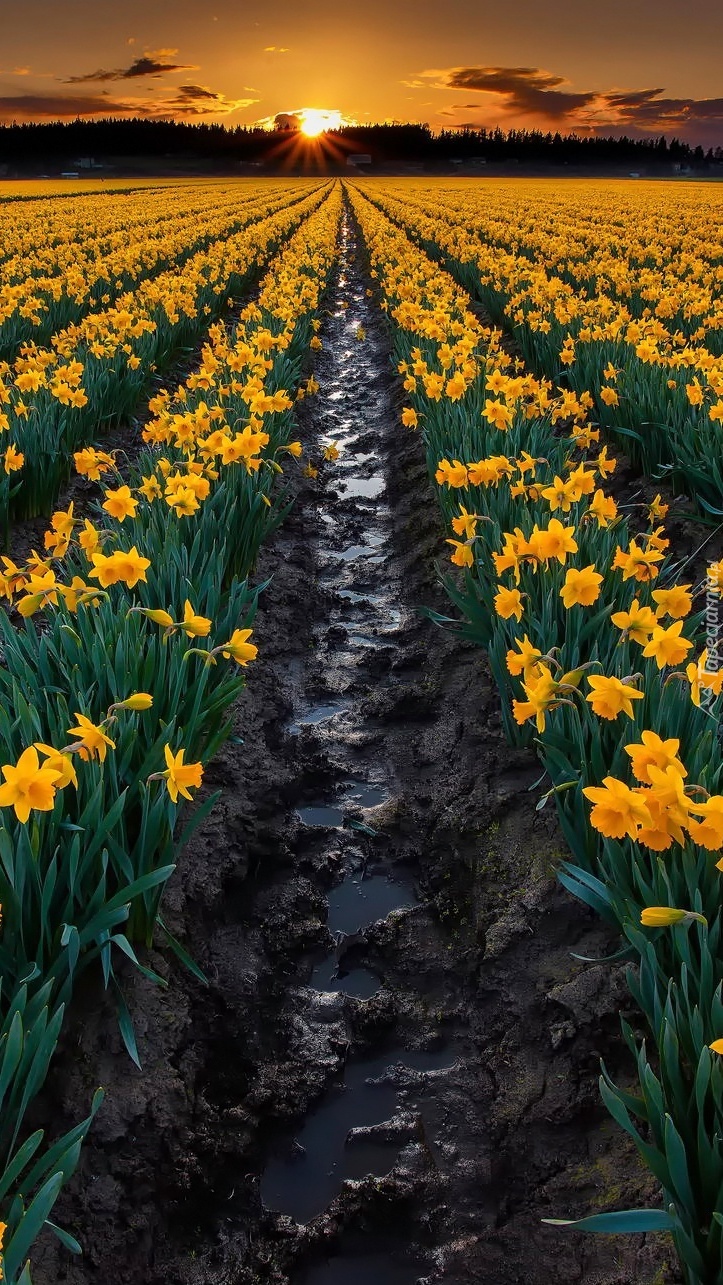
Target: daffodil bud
(667, 916)
(138, 701)
(157, 616)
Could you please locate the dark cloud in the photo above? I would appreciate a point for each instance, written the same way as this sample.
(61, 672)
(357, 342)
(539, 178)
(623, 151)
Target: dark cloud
(194, 92)
(635, 98)
(646, 109)
(155, 100)
(60, 107)
(187, 100)
(526, 89)
(536, 93)
(198, 100)
(151, 64)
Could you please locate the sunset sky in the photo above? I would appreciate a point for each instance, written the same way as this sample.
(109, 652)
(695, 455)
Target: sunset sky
(619, 67)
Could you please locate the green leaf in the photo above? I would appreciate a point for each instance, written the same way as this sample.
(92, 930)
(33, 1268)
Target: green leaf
(625, 952)
(362, 828)
(125, 1025)
(627, 432)
(182, 954)
(64, 1237)
(624, 1221)
(198, 817)
(20, 1160)
(120, 940)
(31, 1224)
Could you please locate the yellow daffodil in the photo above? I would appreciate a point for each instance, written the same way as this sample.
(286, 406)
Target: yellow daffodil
(193, 625)
(581, 587)
(180, 776)
(239, 648)
(29, 787)
(617, 810)
(610, 697)
(90, 740)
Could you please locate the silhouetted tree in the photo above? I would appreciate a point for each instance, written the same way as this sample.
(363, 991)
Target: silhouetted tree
(60, 143)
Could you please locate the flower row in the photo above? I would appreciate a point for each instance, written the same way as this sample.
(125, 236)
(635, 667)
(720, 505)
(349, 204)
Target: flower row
(631, 318)
(54, 399)
(63, 259)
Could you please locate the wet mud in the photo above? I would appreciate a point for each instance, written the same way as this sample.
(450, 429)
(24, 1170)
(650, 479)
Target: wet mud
(391, 1076)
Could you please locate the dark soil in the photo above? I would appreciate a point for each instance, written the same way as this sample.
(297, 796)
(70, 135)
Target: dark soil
(477, 980)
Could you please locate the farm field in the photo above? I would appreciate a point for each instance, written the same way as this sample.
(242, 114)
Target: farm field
(361, 801)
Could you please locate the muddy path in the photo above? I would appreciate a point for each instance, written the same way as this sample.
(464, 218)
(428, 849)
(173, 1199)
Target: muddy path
(391, 1076)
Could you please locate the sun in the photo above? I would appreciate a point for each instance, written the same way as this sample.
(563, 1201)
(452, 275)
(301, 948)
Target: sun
(315, 122)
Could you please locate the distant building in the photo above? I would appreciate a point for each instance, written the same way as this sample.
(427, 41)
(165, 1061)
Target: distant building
(70, 174)
(88, 163)
(359, 158)
(471, 162)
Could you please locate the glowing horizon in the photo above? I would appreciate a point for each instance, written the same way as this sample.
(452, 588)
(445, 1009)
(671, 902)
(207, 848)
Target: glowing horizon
(315, 121)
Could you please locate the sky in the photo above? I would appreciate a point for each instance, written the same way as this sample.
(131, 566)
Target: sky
(623, 66)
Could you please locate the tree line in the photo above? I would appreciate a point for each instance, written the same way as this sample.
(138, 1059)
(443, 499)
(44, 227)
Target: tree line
(55, 142)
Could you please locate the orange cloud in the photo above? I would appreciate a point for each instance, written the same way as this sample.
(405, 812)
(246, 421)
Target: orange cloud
(185, 101)
(153, 63)
(542, 96)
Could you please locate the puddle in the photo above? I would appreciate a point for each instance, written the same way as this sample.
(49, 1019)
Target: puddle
(358, 638)
(390, 625)
(358, 982)
(357, 902)
(378, 601)
(370, 488)
(365, 795)
(354, 551)
(320, 814)
(316, 715)
(304, 1181)
(372, 540)
(352, 596)
(354, 458)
